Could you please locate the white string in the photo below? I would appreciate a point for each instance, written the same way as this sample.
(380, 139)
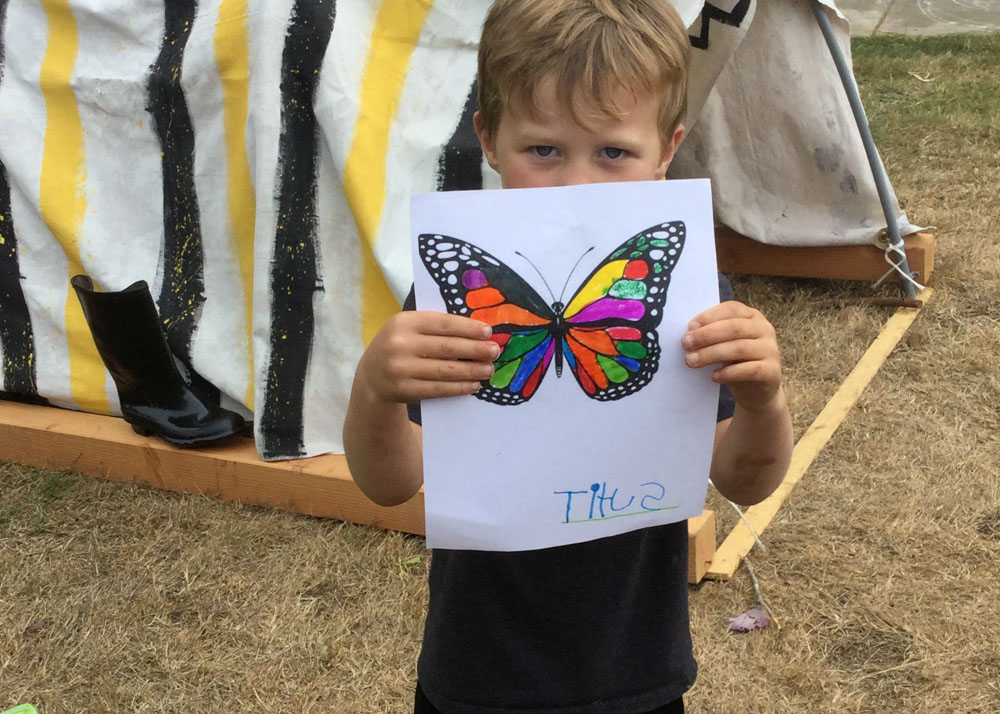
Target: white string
(746, 522)
(896, 266)
(760, 593)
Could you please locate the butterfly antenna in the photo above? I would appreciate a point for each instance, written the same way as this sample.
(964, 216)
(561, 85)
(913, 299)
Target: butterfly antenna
(575, 266)
(537, 271)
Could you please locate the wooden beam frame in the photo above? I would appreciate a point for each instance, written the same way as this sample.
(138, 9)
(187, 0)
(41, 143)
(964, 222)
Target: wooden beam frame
(738, 254)
(106, 447)
(701, 545)
(740, 540)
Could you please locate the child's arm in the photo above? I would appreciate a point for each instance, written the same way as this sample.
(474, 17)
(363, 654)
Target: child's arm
(753, 449)
(416, 355)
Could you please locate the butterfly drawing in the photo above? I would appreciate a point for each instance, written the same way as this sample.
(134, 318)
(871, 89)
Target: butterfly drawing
(606, 333)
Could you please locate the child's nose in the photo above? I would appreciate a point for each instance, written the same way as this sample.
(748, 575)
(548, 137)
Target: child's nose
(579, 172)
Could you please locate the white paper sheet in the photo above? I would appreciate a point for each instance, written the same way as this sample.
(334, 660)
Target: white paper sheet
(562, 467)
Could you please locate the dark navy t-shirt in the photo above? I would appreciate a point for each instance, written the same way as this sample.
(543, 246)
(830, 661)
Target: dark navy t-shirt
(591, 627)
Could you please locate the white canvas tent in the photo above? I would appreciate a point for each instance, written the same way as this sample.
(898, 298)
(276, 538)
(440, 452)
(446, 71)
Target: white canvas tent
(252, 159)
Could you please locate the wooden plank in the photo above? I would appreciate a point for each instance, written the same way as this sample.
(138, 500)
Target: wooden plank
(740, 540)
(701, 545)
(321, 486)
(739, 254)
(104, 446)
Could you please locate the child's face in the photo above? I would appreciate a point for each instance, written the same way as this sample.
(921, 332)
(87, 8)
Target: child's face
(551, 149)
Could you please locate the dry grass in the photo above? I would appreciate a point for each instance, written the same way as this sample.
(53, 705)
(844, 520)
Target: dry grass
(122, 599)
(882, 567)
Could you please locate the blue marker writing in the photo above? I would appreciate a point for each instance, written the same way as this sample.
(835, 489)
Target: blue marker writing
(663, 492)
(569, 500)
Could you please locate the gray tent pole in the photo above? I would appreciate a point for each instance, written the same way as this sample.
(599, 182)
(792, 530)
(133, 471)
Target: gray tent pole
(881, 181)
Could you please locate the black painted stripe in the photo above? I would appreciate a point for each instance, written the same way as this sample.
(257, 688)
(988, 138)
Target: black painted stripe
(460, 166)
(294, 277)
(182, 292)
(17, 340)
(733, 18)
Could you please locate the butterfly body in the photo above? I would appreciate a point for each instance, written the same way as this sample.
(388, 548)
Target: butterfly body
(558, 331)
(606, 333)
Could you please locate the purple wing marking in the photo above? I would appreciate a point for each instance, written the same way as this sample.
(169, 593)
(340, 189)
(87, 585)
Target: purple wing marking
(610, 308)
(473, 279)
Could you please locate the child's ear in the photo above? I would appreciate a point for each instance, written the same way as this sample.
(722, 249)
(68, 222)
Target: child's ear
(669, 150)
(485, 141)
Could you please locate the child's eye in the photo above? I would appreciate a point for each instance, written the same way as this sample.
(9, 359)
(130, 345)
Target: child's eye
(543, 151)
(613, 152)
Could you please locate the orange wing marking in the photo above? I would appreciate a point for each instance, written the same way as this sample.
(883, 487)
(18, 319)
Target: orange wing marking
(507, 314)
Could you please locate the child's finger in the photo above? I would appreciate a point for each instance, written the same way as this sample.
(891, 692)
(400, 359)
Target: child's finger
(450, 370)
(756, 371)
(726, 352)
(443, 324)
(456, 348)
(431, 389)
(724, 331)
(730, 309)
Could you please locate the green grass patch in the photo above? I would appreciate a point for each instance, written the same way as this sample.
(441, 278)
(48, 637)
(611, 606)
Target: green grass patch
(930, 99)
(28, 498)
(55, 484)
(980, 48)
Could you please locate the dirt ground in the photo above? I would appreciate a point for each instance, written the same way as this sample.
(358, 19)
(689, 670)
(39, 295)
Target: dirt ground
(881, 567)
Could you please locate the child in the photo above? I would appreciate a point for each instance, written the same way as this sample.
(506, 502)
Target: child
(570, 92)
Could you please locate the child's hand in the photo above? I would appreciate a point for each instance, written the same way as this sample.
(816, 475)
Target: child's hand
(423, 355)
(742, 340)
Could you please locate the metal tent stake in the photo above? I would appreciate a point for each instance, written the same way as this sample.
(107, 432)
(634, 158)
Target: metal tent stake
(878, 172)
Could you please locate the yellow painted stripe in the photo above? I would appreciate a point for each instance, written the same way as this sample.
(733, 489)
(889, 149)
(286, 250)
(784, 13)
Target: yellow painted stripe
(232, 56)
(740, 540)
(394, 37)
(62, 195)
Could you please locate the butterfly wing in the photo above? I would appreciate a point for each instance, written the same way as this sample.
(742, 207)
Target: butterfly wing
(475, 284)
(610, 342)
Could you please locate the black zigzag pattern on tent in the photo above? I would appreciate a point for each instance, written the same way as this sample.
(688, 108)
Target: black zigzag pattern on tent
(733, 18)
(295, 273)
(460, 167)
(182, 292)
(17, 340)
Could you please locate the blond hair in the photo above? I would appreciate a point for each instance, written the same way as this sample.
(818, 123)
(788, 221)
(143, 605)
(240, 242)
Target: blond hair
(595, 47)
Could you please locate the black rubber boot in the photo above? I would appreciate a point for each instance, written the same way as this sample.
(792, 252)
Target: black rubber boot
(154, 397)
